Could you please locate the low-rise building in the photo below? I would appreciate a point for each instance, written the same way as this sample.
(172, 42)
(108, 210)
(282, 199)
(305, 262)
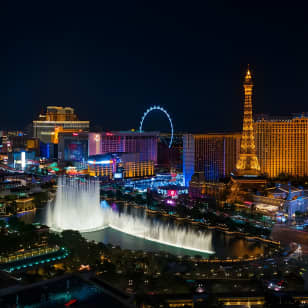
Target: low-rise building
(25, 204)
(284, 197)
(119, 165)
(200, 188)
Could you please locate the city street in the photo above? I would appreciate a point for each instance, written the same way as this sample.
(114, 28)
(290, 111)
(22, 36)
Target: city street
(286, 235)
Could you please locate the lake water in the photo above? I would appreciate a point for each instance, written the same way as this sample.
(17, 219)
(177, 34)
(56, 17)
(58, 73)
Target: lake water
(223, 245)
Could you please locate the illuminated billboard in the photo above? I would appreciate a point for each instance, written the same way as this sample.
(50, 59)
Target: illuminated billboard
(118, 175)
(75, 150)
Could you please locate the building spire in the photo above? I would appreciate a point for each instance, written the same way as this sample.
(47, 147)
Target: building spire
(248, 162)
(248, 78)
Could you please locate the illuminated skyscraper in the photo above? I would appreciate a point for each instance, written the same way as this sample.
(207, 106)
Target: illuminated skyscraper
(213, 154)
(282, 145)
(248, 164)
(57, 119)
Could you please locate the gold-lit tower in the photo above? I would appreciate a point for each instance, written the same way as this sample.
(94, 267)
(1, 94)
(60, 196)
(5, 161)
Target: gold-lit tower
(248, 162)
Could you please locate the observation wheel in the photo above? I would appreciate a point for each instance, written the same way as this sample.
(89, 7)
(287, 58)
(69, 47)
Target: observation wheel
(159, 108)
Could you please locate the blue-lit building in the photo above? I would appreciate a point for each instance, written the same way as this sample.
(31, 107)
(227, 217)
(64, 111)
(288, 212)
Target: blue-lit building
(48, 150)
(21, 159)
(188, 157)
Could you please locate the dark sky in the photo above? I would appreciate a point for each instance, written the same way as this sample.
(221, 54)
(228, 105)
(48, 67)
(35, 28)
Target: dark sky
(111, 60)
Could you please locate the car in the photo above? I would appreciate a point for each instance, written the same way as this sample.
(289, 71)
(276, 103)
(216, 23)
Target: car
(276, 285)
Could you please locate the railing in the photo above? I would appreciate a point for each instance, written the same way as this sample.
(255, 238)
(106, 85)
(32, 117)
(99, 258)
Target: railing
(219, 228)
(21, 255)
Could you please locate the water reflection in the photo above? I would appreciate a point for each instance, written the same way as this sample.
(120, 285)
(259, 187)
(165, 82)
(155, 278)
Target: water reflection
(223, 244)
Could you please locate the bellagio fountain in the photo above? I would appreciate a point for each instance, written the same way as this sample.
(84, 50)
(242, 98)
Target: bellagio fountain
(77, 206)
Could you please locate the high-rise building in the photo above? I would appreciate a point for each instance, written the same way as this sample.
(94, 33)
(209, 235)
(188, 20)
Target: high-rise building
(214, 154)
(282, 145)
(170, 158)
(144, 143)
(57, 119)
(58, 114)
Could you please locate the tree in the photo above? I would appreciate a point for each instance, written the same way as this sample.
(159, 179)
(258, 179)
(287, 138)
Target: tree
(14, 223)
(110, 194)
(119, 195)
(2, 223)
(139, 199)
(298, 213)
(40, 197)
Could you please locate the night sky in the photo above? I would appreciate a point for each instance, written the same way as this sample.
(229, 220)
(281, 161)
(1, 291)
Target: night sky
(111, 60)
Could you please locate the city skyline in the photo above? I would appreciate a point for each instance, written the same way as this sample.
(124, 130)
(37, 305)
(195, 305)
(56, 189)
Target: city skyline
(99, 58)
(153, 154)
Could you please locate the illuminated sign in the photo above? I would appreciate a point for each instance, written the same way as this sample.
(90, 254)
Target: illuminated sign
(97, 137)
(172, 193)
(102, 162)
(23, 160)
(118, 175)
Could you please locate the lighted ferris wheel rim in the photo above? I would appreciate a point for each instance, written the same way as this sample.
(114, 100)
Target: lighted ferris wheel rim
(152, 108)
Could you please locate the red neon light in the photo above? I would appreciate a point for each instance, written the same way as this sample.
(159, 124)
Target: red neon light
(71, 302)
(172, 193)
(75, 134)
(109, 134)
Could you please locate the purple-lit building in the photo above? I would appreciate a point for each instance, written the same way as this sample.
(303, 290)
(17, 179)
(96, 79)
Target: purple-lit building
(144, 143)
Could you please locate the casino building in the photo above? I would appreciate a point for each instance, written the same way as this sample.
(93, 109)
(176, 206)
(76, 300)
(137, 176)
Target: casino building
(57, 119)
(282, 145)
(144, 143)
(73, 146)
(215, 155)
(119, 166)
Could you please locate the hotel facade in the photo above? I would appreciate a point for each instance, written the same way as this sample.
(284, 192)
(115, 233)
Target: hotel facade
(214, 154)
(144, 143)
(119, 166)
(281, 148)
(57, 119)
(282, 145)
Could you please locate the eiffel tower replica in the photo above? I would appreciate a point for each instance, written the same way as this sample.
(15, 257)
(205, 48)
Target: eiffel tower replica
(247, 176)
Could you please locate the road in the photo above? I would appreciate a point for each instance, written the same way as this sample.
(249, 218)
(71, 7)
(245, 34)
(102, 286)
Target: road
(287, 235)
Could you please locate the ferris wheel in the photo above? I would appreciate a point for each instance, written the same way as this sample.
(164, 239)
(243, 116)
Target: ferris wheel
(159, 108)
